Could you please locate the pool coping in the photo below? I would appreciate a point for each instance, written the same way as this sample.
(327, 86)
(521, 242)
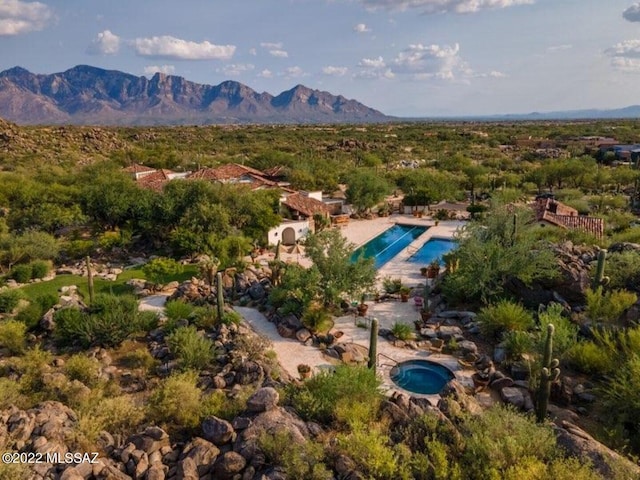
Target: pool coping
(395, 224)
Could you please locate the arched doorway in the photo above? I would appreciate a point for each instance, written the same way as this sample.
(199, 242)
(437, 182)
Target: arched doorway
(288, 236)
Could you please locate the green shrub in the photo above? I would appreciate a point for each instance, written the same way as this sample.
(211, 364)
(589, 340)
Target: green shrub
(298, 460)
(13, 336)
(192, 350)
(587, 357)
(402, 331)
(317, 319)
(40, 268)
(21, 273)
(231, 317)
(504, 316)
(517, 343)
(32, 313)
(82, 368)
(10, 394)
(608, 306)
(78, 249)
(178, 310)
(139, 358)
(318, 397)
(391, 285)
(624, 270)
(500, 438)
(160, 269)
(108, 323)
(228, 407)
(32, 366)
(565, 334)
(9, 300)
(177, 400)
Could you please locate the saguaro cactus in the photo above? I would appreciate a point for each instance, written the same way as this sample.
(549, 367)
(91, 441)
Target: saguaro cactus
(425, 302)
(220, 296)
(373, 345)
(514, 233)
(549, 374)
(600, 280)
(90, 280)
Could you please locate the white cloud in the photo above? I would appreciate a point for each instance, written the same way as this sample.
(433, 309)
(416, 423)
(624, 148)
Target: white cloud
(266, 73)
(361, 28)
(335, 71)
(272, 45)
(18, 17)
(177, 49)
(166, 69)
(279, 53)
(443, 6)
(632, 14)
(372, 63)
(374, 68)
(427, 61)
(236, 69)
(625, 56)
(253, 51)
(559, 48)
(105, 43)
(294, 72)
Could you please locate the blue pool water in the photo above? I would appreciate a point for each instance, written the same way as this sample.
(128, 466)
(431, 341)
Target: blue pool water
(389, 243)
(421, 376)
(434, 248)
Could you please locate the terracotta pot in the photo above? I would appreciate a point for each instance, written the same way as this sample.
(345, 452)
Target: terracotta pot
(305, 374)
(404, 297)
(425, 315)
(362, 309)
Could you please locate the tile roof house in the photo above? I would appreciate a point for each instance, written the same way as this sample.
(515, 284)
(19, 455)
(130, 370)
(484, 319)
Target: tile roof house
(552, 212)
(157, 179)
(305, 204)
(138, 171)
(234, 173)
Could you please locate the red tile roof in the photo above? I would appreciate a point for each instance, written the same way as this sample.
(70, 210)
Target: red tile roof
(305, 205)
(224, 173)
(137, 168)
(156, 180)
(564, 216)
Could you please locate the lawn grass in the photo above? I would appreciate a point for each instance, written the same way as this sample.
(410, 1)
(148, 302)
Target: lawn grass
(119, 287)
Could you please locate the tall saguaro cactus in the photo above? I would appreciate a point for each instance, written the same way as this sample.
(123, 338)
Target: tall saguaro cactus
(90, 280)
(514, 233)
(220, 296)
(549, 374)
(600, 280)
(373, 345)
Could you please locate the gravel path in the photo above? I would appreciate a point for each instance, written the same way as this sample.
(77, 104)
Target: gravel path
(290, 352)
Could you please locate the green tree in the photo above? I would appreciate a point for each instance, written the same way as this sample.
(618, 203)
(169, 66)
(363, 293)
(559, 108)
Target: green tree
(366, 189)
(331, 255)
(159, 269)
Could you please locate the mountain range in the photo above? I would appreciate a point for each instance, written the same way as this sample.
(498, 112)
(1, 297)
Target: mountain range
(94, 96)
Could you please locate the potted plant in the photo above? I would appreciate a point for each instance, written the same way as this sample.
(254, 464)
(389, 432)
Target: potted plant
(376, 298)
(404, 293)
(434, 269)
(304, 370)
(363, 307)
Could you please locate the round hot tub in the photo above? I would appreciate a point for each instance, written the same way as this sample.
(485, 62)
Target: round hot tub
(421, 376)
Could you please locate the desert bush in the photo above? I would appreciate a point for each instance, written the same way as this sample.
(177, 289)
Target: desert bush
(139, 358)
(10, 394)
(231, 317)
(21, 273)
(192, 350)
(587, 357)
(504, 316)
(318, 397)
(298, 460)
(160, 269)
(40, 268)
(252, 347)
(402, 331)
(565, 334)
(317, 319)
(500, 438)
(13, 336)
(178, 310)
(108, 323)
(32, 313)
(177, 400)
(374, 454)
(221, 405)
(624, 270)
(517, 343)
(557, 469)
(9, 300)
(608, 306)
(391, 285)
(82, 368)
(32, 366)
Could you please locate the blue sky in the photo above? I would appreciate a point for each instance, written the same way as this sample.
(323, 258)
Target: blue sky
(403, 57)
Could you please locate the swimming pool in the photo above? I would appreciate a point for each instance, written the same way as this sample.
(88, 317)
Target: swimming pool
(421, 376)
(434, 248)
(388, 244)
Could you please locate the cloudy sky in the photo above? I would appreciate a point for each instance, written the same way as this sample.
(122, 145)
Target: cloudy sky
(403, 57)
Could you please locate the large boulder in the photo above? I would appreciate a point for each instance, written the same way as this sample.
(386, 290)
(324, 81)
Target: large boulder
(228, 465)
(263, 399)
(217, 430)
